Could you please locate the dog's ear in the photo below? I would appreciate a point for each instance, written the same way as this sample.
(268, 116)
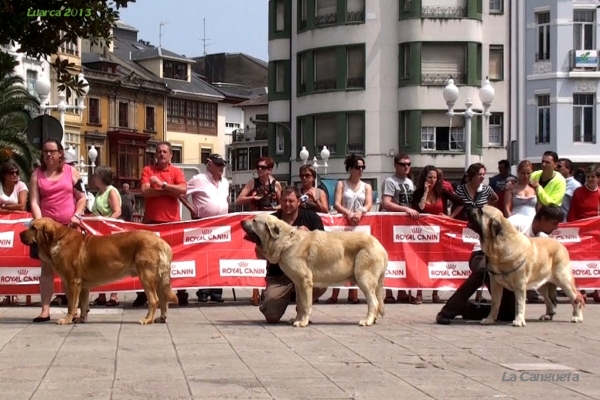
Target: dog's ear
(495, 227)
(48, 232)
(273, 229)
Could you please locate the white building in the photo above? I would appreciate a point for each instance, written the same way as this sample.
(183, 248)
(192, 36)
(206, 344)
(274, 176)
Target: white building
(367, 76)
(30, 69)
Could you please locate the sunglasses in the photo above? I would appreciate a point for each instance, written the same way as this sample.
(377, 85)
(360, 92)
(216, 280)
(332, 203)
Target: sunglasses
(262, 167)
(306, 176)
(403, 164)
(15, 173)
(49, 152)
(360, 167)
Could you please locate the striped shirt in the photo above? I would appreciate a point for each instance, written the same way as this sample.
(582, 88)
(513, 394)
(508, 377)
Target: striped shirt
(484, 192)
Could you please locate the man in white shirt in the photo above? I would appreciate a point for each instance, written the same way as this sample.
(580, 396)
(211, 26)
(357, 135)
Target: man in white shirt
(543, 223)
(565, 167)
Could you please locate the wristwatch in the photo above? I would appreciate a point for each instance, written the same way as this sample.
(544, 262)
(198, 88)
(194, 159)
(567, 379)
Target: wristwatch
(164, 185)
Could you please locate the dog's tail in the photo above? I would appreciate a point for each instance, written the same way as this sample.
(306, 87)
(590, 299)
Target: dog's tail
(165, 254)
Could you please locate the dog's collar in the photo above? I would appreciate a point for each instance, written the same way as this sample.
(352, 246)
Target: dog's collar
(487, 266)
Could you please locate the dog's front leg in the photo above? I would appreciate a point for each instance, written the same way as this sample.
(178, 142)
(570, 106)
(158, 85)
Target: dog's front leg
(520, 297)
(303, 303)
(73, 291)
(496, 293)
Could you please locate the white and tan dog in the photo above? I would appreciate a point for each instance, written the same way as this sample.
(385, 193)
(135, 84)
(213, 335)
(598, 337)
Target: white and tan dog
(321, 259)
(519, 263)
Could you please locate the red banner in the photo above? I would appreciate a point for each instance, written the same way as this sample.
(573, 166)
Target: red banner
(429, 253)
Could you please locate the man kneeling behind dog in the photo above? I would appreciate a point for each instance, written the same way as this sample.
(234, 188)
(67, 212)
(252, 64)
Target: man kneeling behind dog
(543, 223)
(279, 289)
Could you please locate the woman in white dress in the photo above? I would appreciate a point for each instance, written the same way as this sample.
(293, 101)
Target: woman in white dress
(521, 198)
(353, 199)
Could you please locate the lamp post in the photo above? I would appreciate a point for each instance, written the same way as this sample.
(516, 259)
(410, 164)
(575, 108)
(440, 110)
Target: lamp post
(486, 95)
(81, 166)
(324, 156)
(42, 87)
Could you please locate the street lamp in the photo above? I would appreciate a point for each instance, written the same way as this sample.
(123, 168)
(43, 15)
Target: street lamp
(42, 87)
(71, 154)
(324, 156)
(486, 95)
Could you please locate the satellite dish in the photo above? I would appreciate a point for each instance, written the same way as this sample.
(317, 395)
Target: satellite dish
(43, 127)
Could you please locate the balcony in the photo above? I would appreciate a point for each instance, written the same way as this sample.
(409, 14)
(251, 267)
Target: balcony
(441, 12)
(250, 135)
(441, 79)
(584, 63)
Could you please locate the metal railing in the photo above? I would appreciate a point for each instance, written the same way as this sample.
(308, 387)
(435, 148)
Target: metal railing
(443, 12)
(250, 135)
(442, 79)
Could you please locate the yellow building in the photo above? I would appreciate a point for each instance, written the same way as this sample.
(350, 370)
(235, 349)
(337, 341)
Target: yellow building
(123, 118)
(72, 134)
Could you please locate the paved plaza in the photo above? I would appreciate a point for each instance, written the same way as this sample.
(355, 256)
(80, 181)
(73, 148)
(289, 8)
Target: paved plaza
(225, 351)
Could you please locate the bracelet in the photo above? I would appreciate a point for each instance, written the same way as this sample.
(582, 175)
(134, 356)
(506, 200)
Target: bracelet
(78, 216)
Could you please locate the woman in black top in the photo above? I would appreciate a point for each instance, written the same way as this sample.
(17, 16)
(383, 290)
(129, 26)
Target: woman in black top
(474, 194)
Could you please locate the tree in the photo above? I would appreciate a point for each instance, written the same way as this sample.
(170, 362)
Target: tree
(15, 101)
(40, 33)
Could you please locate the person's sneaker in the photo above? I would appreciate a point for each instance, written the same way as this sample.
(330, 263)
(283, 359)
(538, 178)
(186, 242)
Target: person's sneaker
(182, 299)
(442, 319)
(202, 298)
(217, 299)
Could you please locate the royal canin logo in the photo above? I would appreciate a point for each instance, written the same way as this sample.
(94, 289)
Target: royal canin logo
(592, 265)
(450, 266)
(22, 272)
(243, 264)
(206, 231)
(416, 230)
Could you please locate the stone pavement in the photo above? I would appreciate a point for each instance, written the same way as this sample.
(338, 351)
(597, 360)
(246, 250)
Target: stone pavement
(225, 351)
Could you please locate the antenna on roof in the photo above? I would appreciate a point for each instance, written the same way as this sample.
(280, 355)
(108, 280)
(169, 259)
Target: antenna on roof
(204, 39)
(160, 32)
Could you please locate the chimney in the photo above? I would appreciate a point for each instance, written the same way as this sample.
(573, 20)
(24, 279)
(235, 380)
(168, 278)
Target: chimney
(129, 55)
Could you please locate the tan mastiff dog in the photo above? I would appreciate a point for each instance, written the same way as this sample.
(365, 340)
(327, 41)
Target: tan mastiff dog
(321, 259)
(519, 263)
(84, 262)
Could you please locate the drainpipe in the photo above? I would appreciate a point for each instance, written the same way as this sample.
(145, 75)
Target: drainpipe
(291, 94)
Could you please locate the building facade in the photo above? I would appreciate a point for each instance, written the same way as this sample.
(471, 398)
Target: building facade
(366, 76)
(559, 75)
(30, 69)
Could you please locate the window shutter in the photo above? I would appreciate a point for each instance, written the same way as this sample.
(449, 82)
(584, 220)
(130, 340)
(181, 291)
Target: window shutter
(326, 7)
(325, 129)
(444, 60)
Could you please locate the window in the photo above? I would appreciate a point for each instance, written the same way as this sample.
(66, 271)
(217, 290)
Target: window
(325, 69)
(543, 36)
(131, 160)
(326, 12)
(93, 110)
(355, 10)
(175, 70)
(123, 114)
(441, 60)
(279, 77)
(356, 133)
(303, 13)
(355, 57)
(325, 130)
(150, 119)
(204, 153)
(543, 128)
(302, 73)
(495, 132)
(405, 5)
(280, 133)
(72, 139)
(31, 78)
(583, 29)
(280, 16)
(192, 113)
(496, 6)
(496, 71)
(583, 118)
(241, 161)
(442, 138)
(405, 60)
(404, 128)
(177, 154)
(254, 153)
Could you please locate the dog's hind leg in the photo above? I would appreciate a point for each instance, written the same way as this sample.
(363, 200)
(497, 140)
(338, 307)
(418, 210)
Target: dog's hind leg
(548, 292)
(164, 306)
(84, 305)
(73, 291)
(369, 286)
(380, 295)
(148, 280)
(567, 283)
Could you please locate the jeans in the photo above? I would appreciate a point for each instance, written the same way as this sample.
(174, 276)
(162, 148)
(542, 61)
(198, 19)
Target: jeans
(459, 301)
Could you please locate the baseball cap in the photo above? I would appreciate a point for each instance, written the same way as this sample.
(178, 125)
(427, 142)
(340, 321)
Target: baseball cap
(217, 159)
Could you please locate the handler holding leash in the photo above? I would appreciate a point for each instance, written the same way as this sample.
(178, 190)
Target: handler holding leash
(280, 289)
(543, 223)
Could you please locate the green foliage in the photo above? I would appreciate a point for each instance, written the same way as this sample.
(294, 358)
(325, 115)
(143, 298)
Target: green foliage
(42, 36)
(15, 106)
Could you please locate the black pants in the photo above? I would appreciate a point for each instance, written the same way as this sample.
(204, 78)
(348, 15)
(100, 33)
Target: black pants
(459, 301)
(215, 293)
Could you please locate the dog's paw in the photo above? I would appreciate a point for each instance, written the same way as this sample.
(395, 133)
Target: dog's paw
(64, 321)
(487, 321)
(366, 322)
(300, 324)
(546, 317)
(161, 320)
(80, 320)
(519, 323)
(576, 320)
(145, 321)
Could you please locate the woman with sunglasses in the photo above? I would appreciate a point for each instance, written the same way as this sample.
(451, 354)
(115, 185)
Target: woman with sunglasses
(56, 192)
(353, 199)
(316, 199)
(263, 194)
(13, 198)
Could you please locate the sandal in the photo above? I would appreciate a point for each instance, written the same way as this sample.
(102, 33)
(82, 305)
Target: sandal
(331, 300)
(389, 300)
(112, 303)
(416, 300)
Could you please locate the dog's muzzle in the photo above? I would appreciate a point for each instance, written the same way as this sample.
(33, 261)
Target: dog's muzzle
(250, 235)
(25, 238)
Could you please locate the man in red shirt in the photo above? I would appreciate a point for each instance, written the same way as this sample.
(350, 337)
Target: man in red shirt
(585, 202)
(162, 184)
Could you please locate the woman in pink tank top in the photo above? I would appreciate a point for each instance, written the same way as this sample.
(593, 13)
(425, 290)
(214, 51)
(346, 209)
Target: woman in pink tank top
(53, 195)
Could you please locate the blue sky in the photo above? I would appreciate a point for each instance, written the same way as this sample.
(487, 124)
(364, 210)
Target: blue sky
(232, 26)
